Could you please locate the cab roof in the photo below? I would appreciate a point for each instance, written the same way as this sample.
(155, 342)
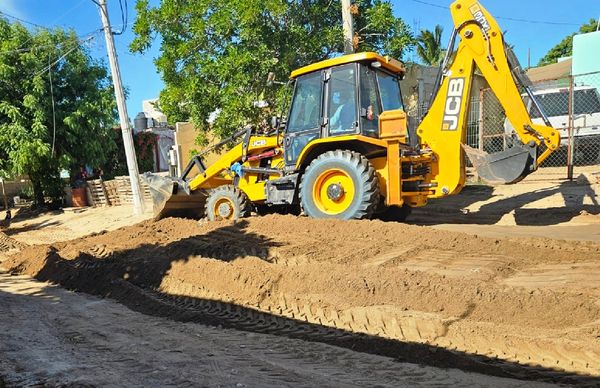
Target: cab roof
(387, 62)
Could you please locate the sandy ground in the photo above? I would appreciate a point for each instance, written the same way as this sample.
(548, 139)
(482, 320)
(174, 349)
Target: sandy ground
(71, 223)
(504, 299)
(53, 337)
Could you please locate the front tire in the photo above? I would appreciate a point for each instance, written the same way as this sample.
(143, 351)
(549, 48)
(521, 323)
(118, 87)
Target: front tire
(340, 184)
(227, 203)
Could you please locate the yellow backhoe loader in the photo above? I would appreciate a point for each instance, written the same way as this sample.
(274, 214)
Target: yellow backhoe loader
(345, 151)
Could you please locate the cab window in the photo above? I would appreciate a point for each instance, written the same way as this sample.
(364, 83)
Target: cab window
(389, 89)
(305, 112)
(369, 102)
(342, 105)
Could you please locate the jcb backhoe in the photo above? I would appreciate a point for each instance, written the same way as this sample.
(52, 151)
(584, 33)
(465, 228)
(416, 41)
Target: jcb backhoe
(345, 151)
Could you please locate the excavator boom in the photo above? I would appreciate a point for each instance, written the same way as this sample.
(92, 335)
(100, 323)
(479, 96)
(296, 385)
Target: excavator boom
(443, 129)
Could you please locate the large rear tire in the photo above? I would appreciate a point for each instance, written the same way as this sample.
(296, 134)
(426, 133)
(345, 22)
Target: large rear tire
(340, 184)
(227, 203)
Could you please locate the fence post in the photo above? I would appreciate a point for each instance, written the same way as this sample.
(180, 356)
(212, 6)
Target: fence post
(570, 144)
(480, 119)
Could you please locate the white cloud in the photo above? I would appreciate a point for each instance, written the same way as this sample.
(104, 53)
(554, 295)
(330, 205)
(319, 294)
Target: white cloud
(11, 7)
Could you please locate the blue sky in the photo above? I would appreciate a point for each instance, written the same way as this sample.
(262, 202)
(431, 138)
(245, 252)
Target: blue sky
(541, 24)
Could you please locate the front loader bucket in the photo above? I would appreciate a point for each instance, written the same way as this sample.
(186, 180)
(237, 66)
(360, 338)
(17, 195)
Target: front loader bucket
(171, 198)
(508, 166)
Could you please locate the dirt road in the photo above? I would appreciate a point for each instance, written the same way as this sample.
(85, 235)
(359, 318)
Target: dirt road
(458, 300)
(52, 337)
(260, 301)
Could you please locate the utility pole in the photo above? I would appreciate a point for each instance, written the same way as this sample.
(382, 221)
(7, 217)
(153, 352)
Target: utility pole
(348, 27)
(134, 175)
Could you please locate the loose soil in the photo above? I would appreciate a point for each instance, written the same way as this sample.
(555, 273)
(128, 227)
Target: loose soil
(505, 300)
(66, 339)
(532, 302)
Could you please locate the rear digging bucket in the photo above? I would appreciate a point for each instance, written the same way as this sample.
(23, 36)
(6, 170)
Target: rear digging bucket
(508, 166)
(171, 199)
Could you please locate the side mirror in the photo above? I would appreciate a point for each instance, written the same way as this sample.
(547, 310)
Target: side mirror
(275, 122)
(271, 80)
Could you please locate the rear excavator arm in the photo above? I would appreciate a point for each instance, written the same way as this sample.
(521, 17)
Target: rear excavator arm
(443, 130)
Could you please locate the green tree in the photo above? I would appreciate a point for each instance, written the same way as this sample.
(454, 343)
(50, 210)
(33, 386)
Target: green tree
(217, 54)
(429, 46)
(565, 47)
(56, 106)
(380, 31)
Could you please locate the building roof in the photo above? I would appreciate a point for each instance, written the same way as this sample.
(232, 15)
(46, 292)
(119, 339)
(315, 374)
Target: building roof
(554, 71)
(387, 62)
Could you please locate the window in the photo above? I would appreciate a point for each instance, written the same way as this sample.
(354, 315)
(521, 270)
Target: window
(306, 106)
(586, 101)
(557, 103)
(342, 100)
(369, 103)
(553, 104)
(389, 89)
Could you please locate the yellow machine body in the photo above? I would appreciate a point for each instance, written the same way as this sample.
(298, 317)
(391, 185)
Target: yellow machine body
(262, 170)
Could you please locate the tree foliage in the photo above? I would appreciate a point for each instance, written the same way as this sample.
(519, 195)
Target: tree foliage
(429, 46)
(565, 47)
(217, 54)
(52, 116)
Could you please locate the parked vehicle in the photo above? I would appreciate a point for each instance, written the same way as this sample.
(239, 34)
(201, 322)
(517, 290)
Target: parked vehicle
(586, 118)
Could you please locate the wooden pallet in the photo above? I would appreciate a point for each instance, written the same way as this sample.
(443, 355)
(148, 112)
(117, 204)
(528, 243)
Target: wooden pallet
(124, 189)
(112, 192)
(97, 193)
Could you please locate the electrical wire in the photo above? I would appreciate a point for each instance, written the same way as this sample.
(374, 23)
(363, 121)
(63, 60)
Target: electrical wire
(124, 15)
(504, 18)
(23, 20)
(81, 38)
(63, 56)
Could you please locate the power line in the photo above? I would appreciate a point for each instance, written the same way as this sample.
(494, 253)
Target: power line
(430, 4)
(63, 56)
(81, 38)
(539, 21)
(68, 11)
(505, 18)
(124, 15)
(23, 20)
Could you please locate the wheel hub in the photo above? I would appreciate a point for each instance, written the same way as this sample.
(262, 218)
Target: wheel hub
(335, 191)
(225, 210)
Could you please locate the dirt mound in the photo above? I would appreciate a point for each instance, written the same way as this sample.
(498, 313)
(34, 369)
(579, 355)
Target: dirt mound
(532, 301)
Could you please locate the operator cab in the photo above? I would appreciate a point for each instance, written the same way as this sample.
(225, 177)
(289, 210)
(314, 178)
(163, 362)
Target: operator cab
(343, 96)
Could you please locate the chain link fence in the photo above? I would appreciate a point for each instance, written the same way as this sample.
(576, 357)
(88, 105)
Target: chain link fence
(572, 105)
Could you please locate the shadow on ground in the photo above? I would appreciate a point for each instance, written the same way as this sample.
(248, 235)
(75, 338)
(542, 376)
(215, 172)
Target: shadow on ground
(452, 210)
(12, 230)
(133, 277)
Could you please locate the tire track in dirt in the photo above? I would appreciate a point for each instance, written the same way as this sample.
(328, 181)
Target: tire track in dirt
(69, 339)
(8, 244)
(388, 282)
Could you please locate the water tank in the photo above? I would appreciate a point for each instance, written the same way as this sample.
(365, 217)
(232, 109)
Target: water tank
(140, 123)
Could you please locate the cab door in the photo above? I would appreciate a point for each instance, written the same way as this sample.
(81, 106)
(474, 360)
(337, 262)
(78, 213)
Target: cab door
(304, 123)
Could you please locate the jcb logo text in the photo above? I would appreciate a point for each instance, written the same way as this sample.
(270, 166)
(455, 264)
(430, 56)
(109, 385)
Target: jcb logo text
(454, 98)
